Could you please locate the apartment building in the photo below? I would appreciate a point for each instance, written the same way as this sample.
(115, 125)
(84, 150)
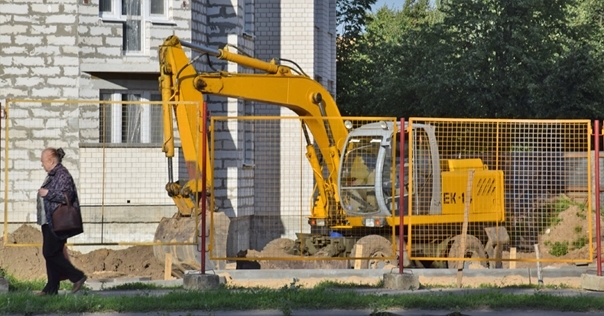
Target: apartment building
(107, 50)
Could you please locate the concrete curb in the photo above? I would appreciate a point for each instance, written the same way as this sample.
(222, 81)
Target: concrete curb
(343, 275)
(4, 285)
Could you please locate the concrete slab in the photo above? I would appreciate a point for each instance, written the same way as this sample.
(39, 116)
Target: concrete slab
(194, 280)
(4, 285)
(398, 281)
(592, 282)
(110, 283)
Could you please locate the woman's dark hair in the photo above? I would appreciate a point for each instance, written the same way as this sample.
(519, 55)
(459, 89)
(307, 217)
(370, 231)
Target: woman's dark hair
(57, 154)
(60, 154)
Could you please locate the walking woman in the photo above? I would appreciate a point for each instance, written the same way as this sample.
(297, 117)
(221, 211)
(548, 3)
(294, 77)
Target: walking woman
(51, 195)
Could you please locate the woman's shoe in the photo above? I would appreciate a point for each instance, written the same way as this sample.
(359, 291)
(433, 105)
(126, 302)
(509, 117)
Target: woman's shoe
(78, 285)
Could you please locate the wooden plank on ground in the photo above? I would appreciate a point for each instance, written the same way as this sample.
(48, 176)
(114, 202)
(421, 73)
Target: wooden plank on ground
(512, 256)
(464, 229)
(358, 253)
(168, 266)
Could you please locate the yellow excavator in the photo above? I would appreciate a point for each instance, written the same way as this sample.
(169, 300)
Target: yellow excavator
(357, 194)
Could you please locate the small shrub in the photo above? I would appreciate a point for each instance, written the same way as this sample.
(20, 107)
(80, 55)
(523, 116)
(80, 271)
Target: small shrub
(578, 229)
(559, 249)
(580, 242)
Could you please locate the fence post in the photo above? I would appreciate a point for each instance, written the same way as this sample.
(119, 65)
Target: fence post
(401, 199)
(597, 189)
(204, 140)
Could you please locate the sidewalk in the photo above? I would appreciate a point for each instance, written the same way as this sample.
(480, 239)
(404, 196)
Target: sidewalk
(413, 312)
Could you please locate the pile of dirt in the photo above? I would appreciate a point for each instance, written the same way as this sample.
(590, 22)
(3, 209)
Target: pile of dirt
(566, 241)
(27, 263)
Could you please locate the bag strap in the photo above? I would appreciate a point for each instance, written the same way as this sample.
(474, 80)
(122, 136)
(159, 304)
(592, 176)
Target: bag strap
(67, 199)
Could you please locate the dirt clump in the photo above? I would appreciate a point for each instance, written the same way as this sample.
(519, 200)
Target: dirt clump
(22, 258)
(563, 243)
(24, 263)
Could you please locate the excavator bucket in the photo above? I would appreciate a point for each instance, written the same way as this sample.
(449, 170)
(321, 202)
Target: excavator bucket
(182, 241)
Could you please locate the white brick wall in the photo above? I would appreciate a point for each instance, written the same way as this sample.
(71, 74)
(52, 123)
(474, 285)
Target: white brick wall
(45, 43)
(124, 176)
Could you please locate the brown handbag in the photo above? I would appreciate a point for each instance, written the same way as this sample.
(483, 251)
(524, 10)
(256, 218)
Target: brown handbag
(67, 218)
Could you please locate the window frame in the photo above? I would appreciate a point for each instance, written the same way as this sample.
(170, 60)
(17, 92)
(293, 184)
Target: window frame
(115, 15)
(148, 129)
(248, 17)
(142, 32)
(165, 18)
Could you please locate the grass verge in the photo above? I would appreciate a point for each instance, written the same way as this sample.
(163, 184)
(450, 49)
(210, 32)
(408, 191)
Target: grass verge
(327, 295)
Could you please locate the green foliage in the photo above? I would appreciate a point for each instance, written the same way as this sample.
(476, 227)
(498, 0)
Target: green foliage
(559, 249)
(580, 242)
(16, 285)
(348, 285)
(551, 211)
(351, 16)
(140, 286)
(23, 302)
(289, 292)
(466, 58)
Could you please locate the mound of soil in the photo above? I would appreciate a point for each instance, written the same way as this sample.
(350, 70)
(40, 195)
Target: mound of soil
(27, 263)
(566, 240)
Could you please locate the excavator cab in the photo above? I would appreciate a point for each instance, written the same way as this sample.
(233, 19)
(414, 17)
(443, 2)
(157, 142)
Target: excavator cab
(368, 185)
(359, 175)
(366, 171)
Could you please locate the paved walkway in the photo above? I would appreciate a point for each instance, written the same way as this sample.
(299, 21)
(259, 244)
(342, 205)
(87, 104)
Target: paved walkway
(345, 313)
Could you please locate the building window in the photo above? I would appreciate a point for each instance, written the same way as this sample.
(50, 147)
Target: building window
(248, 16)
(248, 135)
(133, 14)
(127, 123)
(133, 26)
(110, 10)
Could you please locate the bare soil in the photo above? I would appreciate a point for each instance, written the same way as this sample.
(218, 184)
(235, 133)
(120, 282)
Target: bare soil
(27, 263)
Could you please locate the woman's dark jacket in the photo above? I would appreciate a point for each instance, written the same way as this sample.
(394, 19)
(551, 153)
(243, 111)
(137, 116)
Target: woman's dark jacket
(57, 182)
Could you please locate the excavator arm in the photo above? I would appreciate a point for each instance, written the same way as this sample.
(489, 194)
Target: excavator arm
(277, 85)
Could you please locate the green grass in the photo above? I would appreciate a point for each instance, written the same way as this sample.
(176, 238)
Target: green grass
(325, 295)
(559, 249)
(289, 298)
(35, 285)
(141, 286)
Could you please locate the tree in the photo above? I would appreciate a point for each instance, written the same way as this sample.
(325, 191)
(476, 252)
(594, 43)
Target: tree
(486, 58)
(366, 64)
(352, 15)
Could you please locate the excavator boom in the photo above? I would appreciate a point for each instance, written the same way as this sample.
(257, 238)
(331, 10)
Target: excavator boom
(272, 84)
(278, 85)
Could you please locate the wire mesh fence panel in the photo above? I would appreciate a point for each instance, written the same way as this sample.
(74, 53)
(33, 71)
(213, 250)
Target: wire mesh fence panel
(307, 189)
(113, 152)
(480, 188)
(305, 192)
